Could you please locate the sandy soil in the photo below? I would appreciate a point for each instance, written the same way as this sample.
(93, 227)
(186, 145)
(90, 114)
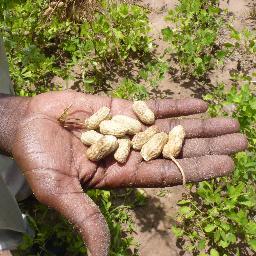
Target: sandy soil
(156, 218)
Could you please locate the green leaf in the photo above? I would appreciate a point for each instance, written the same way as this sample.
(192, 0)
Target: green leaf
(225, 226)
(240, 217)
(201, 244)
(190, 214)
(216, 236)
(214, 252)
(231, 237)
(183, 202)
(221, 54)
(209, 228)
(185, 210)
(89, 81)
(198, 60)
(235, 34)
(208, 96)
(228, 45)
(167, 33)
(251, 228)
(223, 244)
(178, 232)
(252, 244)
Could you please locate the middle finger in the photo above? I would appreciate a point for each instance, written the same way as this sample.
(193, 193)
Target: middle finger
(203, 128)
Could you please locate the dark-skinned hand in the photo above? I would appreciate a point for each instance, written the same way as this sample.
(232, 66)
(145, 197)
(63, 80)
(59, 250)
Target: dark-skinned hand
(54, 162)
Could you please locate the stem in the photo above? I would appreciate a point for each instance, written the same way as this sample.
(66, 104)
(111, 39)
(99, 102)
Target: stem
(180, 169)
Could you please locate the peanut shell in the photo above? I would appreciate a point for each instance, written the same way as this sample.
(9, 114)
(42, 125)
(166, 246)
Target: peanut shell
(143, 137)
(102, 148)
(133, 125)
(153, 148)
(90, 137)
(175, 141)
(143, 112)
(93, 122)
(111, 127)
(123, 150)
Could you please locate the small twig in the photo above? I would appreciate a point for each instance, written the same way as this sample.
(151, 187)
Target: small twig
(180, 169)
(70, 123)
(75, 124)
(64, 115)
(56, 5)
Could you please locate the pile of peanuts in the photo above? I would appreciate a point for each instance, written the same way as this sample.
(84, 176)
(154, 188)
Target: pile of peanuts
(118, 134)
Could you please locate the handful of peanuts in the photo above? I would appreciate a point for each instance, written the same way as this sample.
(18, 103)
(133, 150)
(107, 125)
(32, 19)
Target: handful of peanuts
(119, 134)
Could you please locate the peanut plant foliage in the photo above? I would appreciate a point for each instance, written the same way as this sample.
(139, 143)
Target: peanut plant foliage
(220, 214)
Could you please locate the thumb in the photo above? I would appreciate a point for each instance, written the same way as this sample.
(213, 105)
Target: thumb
(65, 195)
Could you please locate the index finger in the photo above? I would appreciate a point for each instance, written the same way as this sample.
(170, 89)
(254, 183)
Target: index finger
(172, 108)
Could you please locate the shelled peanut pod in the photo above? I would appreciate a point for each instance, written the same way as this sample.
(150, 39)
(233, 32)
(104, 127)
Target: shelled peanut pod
(93, 122)
(143, 137)
(175, 142)
(133, 125)
(102, 148)
(123, 150)
(143, 112)
(154, 147)
(90, 137)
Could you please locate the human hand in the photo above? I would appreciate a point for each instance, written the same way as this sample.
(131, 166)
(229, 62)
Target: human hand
(54, 162)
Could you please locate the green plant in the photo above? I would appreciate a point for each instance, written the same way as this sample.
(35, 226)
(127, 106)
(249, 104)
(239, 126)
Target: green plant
(219, 216)
(154, 72)
(130, 90)
(114, 37)
(252, 11)
(31, 67)
(48, 241)
(243, 41)
(122, 29)
(41, 47)
(119, 221)
(64, 240)
(193, 38)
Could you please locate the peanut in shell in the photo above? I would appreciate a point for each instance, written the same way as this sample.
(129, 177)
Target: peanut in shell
(93, 122)
(90, 137)
(102, 148)
(123, 150)
(143, 137)
(175, 142)
(143, 112)
(153, 148)
(111, 127)
(133, 125)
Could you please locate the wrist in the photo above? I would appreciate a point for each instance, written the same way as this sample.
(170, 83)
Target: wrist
(12, 110)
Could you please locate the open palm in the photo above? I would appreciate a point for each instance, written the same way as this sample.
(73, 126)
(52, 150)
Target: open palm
(54, 162)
